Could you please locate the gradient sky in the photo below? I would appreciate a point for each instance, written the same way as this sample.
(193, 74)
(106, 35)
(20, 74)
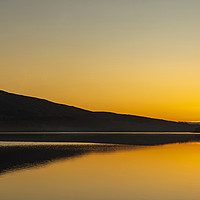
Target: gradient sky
(127, 56)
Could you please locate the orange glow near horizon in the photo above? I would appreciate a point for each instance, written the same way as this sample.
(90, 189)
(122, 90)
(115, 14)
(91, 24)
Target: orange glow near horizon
(133, 57)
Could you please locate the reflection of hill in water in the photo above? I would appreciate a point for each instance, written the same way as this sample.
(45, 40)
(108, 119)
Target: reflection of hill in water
(25, 156)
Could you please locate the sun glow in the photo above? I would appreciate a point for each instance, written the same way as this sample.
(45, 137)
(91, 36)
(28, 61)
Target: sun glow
(136, 57)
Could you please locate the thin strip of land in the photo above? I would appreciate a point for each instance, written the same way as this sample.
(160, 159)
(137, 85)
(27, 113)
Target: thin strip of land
(114, 138)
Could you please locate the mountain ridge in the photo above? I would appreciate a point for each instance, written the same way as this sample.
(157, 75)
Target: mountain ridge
(25, 113)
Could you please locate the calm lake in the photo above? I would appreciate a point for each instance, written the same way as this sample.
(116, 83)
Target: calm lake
(74, 171)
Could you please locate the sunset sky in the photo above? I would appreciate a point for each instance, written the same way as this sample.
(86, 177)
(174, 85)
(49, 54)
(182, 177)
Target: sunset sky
(137, 57)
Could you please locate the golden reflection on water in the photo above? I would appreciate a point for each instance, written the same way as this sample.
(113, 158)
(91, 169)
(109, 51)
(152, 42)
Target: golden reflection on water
(167, 172)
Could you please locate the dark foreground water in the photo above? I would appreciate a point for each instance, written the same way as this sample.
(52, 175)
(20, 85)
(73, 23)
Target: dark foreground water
(33, 171)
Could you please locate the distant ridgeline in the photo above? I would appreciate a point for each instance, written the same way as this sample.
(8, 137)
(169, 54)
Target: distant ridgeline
(22, 113)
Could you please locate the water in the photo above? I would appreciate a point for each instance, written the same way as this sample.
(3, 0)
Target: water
(44, 171)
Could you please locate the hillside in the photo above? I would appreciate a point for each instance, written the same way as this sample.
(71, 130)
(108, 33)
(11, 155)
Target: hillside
(23, 113)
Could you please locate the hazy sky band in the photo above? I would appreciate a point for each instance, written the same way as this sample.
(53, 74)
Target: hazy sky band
(139, 57)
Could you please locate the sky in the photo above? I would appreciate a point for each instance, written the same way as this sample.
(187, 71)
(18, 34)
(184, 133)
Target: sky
(138, 57)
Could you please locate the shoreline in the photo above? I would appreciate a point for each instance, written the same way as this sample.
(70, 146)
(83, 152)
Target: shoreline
(107, 138)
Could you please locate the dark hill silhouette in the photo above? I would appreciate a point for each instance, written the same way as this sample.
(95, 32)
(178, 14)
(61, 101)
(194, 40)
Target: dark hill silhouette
(23, 113)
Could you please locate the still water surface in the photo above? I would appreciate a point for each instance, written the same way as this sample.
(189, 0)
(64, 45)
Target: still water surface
(74, 171)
